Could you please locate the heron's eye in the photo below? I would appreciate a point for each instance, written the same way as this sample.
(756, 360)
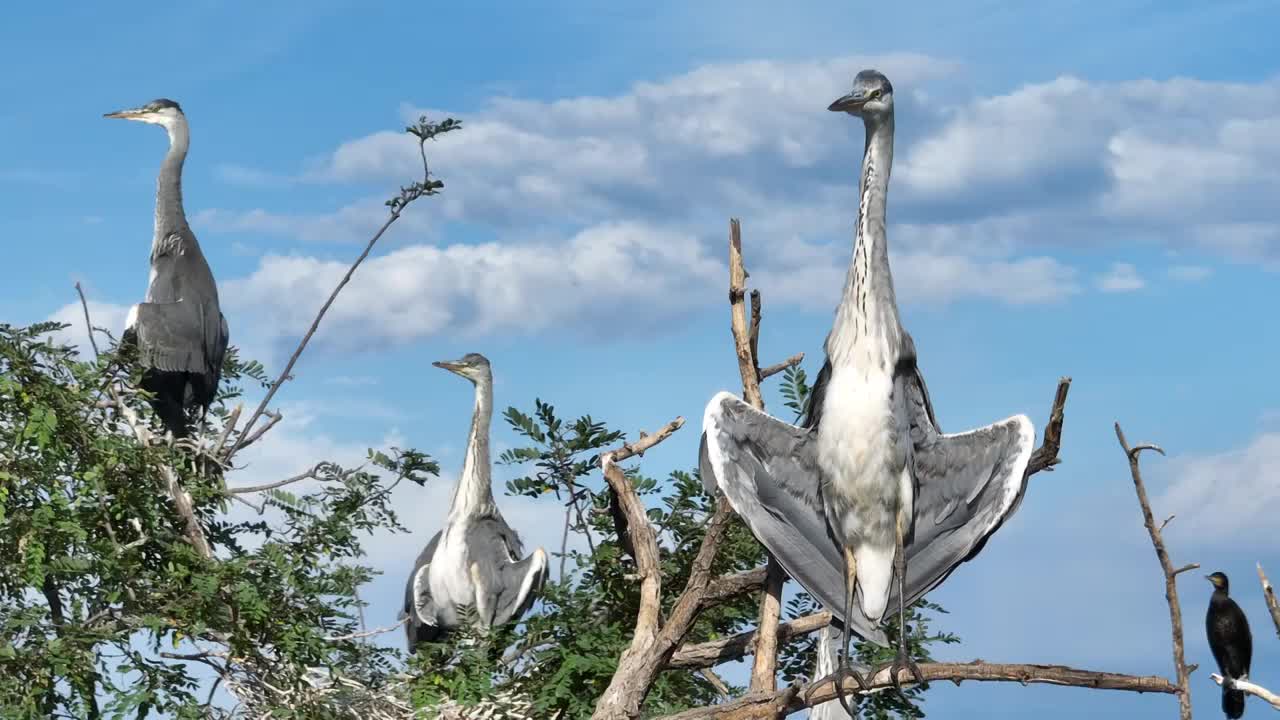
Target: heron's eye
(874, 94)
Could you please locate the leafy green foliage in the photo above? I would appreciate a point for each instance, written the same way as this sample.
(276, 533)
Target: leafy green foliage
(105, 607)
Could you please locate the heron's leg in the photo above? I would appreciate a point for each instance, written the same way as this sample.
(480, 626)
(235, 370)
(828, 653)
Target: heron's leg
(844, 668)
(903, 659)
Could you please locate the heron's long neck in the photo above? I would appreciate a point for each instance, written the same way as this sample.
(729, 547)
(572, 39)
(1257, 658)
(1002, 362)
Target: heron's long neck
(867, 318)
(170, 217)
(474, 493)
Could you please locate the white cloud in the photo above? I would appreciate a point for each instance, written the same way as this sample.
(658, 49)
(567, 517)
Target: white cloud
(587, 282)
(983, 191)
(1121, 277)
(351, 223)
(107, 316)
(1230, 495)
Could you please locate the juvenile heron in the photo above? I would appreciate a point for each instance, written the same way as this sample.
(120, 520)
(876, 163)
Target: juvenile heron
(475, 560)
(179, 329)
(1230, 641)
(868, 487)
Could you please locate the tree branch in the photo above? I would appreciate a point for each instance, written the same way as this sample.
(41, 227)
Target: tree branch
(1249, 688)
(1170, 575)
(746, 343)
(1046, 456)
(1269, 594)
(423, 131)
(311, 474)
(710, 654)
(775, 369)
(792, 699)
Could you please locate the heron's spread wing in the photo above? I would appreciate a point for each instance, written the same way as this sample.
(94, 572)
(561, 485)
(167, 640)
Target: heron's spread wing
(509, 584)
(967, 485)
(418, 607)
(768, 471)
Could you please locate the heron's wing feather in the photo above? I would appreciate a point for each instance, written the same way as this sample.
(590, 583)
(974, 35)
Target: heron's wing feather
(510, 584)
(181, 336)
(967, 485)
(768, 471)
(418, 607)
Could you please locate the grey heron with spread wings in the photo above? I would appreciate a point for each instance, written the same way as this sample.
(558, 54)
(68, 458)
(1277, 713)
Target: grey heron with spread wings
(475, 561)
(868, 487)
(179, 329)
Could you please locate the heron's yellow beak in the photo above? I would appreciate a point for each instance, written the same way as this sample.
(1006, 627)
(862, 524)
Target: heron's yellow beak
(451, 366)
(130, 114)
(849, 103)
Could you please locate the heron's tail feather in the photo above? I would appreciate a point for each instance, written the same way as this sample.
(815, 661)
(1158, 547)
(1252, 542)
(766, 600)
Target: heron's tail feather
(1232, 702)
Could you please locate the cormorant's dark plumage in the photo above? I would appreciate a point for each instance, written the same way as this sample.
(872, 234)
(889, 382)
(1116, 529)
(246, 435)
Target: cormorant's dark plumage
(1230, 641)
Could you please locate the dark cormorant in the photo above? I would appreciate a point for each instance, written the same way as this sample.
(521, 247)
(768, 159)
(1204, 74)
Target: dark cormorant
(1231, 643)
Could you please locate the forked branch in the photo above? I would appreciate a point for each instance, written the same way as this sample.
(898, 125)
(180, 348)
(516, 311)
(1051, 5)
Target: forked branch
(1166, 565)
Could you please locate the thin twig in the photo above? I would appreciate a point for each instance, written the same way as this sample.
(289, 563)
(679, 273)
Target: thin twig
(312, 474)
(716, 682)
(793, 699)
(368, 633)
(629, 450)
(1253, 689)
(775, 369)
(315, 325)
(1170, 575)
(87, 324)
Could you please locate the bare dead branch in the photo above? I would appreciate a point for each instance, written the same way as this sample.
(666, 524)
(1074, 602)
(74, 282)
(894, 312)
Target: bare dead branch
(738, 316)
(792, 699)
(88, 326)
(710, 654)
(227, 427)
(1186, 568)
(1269, 594)
(315, 325)
(273, 419)
(730, 586)
(1253, 689)
(1170, 575)
(368, 633)
(629, 450)
(1166, 522)
(746, 343)
(1046, 456)
(312, 474)
(716, 682)
(775, 369)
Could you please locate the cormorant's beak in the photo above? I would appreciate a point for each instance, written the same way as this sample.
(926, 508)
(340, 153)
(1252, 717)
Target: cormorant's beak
(849, 103)
(453, 367)
(130, 114)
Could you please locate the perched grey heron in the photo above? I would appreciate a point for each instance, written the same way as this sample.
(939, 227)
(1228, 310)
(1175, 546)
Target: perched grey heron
(475, 560)
(179, 330)
(868, 486)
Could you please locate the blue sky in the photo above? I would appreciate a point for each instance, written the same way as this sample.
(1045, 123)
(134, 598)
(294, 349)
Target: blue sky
(1081, 189)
